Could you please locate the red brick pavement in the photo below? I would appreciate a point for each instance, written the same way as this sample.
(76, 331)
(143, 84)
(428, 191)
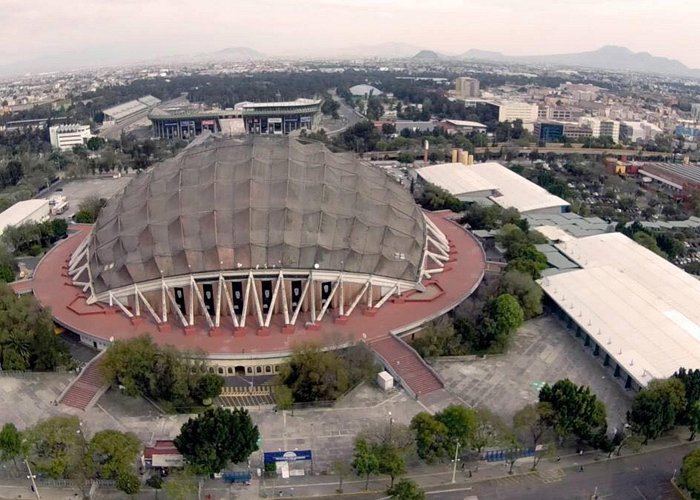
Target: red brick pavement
(53, 289)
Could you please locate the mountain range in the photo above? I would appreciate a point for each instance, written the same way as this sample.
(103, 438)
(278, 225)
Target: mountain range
(609, 57)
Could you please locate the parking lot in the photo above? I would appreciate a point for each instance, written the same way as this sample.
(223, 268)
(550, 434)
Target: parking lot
(544, 351)
(78, 190)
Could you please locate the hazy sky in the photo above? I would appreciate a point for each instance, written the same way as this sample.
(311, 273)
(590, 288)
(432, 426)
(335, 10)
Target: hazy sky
(112, 31)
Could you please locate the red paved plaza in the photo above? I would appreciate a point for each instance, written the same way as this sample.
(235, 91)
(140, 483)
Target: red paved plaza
(52, 287)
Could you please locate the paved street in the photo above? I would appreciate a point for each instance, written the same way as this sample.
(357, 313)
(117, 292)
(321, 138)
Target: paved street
(646, 477)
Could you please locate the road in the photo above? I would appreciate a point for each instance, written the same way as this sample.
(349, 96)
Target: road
(632, 153)
(348, 116)
(638, 477)
(644, 477)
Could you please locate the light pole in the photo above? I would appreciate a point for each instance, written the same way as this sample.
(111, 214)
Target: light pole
(391, 423)
(31, 478)
(454, 465)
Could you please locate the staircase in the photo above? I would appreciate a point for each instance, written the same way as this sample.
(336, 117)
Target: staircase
(86, 388)
(405, 364)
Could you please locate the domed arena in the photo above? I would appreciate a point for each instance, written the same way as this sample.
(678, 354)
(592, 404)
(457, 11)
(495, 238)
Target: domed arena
(244, 246)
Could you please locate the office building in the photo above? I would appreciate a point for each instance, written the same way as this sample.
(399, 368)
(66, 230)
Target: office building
(512, 110)
(65, 137)
(466, 87)
(603, 128)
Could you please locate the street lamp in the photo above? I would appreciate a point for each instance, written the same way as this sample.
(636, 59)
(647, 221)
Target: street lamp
(32, 477)
(454, 466)
(391, 423)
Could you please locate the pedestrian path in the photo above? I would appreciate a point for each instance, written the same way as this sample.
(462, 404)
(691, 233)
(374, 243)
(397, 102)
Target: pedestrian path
(551, 475)
(404, 362)
(86, 389)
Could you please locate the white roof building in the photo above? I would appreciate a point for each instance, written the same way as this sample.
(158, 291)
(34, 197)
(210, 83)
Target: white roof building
(67, 136)
(636, 307)
(24, 211)
(493, 181)
(364, 90)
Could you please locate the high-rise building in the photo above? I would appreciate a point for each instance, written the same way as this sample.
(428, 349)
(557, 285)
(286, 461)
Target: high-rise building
(695, 111)
(603, 128)
(466, 87)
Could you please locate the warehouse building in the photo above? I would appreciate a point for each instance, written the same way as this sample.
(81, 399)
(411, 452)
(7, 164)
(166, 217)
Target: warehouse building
(121, 112)
(634, 310)
(23, 212)
(491, 182)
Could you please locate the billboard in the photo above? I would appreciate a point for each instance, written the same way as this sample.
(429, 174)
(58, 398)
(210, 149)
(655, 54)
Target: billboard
(287, 456)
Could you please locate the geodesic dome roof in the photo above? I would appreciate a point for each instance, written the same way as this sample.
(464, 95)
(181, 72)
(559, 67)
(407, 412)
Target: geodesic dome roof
(234, 204)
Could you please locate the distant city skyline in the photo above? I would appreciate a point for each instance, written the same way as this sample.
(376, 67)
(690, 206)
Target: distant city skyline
(105, 32)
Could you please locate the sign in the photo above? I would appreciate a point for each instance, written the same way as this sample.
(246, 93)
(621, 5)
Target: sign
(208, 122)
(287, 456)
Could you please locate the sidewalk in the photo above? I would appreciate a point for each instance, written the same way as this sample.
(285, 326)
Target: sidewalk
(439, 476)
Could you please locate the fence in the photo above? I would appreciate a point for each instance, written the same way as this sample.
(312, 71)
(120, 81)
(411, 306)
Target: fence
(30, 374)
(501, 455)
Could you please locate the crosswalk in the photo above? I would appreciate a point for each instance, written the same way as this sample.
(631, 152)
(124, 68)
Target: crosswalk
(551, 475)
(245, 400)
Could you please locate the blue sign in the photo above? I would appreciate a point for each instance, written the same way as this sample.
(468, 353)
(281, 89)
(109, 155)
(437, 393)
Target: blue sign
(287, 456)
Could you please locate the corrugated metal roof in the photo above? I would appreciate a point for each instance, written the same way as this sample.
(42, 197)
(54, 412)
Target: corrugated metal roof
(509, 189)
(636, 306)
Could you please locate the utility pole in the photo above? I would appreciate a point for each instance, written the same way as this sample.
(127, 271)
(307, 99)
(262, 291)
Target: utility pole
(454, 466)
(31, 478)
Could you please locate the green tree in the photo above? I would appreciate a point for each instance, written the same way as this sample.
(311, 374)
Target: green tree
(691, 382)
(460, 423)
(501, 319)
(217, 437)
(208, 387)
(89, 209)
(391, 461)
(365, 460)
(11, 445)
(315, 375)
(130, 364)
(95, 143)
(342, 469)
(693, 418)
(655, 408)
(523, 287)
(531, 423)
(27, 340)
(406, 489)
(649, 242)
(128, 482)
(284, 397)
(689, 478)
(7, 265)
(576, 410)
(111, 454)
(490, 429)
(57, 447)
(431, 436)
